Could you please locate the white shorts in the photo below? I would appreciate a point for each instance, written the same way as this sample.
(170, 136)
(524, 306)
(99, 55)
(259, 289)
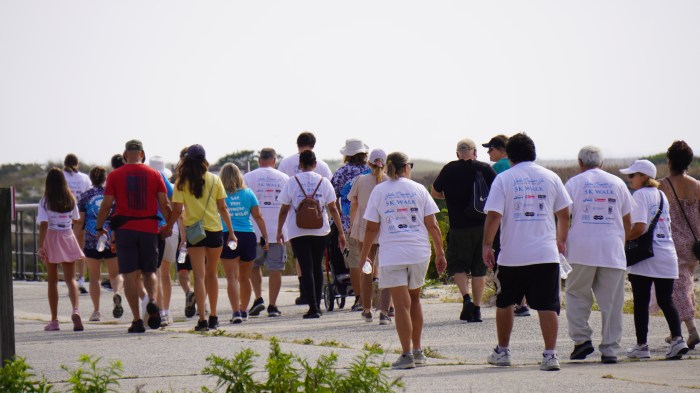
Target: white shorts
(412, 276)
(171, 244)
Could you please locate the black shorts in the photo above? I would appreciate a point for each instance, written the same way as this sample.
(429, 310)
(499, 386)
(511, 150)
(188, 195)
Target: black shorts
(213, 240)
(187, 265)
(137, 251)
(539, 283)
(464, 251)
(161, 250)
(246, 249)
(94, 254)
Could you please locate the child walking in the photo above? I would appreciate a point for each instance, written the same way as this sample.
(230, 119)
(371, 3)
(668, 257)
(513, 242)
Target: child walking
(58, 245)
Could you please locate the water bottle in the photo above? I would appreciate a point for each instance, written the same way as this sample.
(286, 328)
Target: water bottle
(367, 267)
(102, 242)
(564, 267)
(232, 244)
(183, 254)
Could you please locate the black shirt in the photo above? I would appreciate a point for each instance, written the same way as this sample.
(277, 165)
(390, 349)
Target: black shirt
(456, 180)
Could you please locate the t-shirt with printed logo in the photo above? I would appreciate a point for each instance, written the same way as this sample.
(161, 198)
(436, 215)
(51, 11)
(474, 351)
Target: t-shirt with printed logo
(89, 203)
(135, 189)
(239, 204)
(267, 184)
(58, 221)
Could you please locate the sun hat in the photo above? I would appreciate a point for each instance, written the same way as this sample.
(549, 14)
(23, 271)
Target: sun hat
(353, 146)
(157, 163)
(377, 157)
(195, 151)
(641, 166)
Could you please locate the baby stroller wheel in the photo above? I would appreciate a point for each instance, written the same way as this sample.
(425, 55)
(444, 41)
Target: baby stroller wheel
(328, 296)
(341, 302)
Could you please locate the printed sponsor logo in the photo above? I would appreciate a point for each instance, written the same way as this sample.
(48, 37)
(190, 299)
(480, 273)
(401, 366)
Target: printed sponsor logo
(661, 235)
(529, 197)
(267, 203)
(610, 210)
(598, 217)
(402, 226)
(588, 200)
(391, 227)
(517, 206)
(529, 214)
(612, 200)
(414, 209)
(542, 196)
(601, 200)
(402, 209)
(518, 197)
(389, 211)
(414, 218)
(585, 217)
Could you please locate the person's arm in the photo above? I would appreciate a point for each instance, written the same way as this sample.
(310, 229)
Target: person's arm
(353, 211)
(166, 211)
(433, 228)
(493, 221)
(284, 210)
(371, 231)
(223, 211)
(81, 220)
(637, 230)
(43, 227)
(333, 210)
(437, 195)
(257, 216)
(627, 224)
(563, 223)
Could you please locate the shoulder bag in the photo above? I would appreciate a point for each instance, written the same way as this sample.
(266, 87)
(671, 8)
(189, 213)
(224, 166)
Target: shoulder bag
(195, 233)
(642, 247)
(696, 245)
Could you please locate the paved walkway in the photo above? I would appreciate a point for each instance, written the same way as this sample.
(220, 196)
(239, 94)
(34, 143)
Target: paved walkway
(171, 359)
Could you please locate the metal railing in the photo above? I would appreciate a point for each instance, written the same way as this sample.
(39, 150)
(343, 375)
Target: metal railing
(25, 262)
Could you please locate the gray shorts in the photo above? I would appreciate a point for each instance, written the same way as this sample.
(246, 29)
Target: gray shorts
(273, 259)
(412, 276)
(352, 260)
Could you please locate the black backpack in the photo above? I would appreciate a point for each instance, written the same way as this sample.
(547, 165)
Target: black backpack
(477, 199)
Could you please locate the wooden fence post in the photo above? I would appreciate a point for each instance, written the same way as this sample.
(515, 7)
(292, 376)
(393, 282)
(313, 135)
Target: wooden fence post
(7, 320)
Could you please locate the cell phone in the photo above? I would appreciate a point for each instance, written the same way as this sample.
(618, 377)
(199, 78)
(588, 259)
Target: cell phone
(262, 242)
(346, 252)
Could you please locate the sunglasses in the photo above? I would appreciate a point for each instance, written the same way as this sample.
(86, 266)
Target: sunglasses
(410, 165)
(632, 175)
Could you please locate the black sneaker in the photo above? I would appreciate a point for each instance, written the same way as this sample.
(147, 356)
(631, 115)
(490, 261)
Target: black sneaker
(476, 314)
(300, 301)
(257, 307)
(106, 284)
(190, 305)
(467, 314)
(118, 310)
(608, 359)
(82, 290)
(582, 350)
(137, 327)
(213, 322)
(202, 326)
(523, 311)
(312, 314)
(153, 315)
(357, 306)
(272, 311)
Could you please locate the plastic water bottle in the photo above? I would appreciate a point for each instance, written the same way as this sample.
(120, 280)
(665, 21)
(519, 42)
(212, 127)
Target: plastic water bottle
(232, 244)
(367, 267)
(564, 267)
(102, 242)
(183, 254)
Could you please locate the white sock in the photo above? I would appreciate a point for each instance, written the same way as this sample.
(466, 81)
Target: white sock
(550, 352)
(501, 349)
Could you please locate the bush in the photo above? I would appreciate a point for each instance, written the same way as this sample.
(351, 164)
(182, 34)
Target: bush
(16, 376)
(89, 378)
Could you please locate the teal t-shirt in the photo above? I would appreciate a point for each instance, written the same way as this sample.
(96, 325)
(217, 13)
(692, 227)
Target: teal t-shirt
(239, 204)
(501, 165)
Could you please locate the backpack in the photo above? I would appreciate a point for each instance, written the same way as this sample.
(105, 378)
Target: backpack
(309, 212)
(477, 200)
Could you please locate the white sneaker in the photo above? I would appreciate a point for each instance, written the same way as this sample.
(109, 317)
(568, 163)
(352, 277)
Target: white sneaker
(144, 304)
(678, 349)
(419, 358)
(499, 359)
(550, 362)
(95, 317)
(639, 351)
(404, 362)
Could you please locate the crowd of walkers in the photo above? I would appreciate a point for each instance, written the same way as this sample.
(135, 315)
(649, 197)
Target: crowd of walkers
(514, 217)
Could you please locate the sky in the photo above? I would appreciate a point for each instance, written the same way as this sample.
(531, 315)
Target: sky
(84, 77)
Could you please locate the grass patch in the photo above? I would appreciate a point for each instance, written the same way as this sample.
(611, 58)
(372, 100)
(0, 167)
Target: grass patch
(305, 341)
(373, 348)
(432, 353)
(608, 376)
(332, 344)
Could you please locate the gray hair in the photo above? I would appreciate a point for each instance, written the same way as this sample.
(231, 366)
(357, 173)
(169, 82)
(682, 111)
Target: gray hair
(591, 156)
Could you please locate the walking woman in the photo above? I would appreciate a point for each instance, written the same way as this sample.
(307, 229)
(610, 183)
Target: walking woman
(89, 206)
(683, 193)
(661, 269)
(238, 263)
(58, 211)
(203, 196)
(308, 244)
(402, 212)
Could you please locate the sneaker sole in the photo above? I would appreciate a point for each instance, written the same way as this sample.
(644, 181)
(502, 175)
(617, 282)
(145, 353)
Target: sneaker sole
(582, 355)
(501, 364)
(77, 323)
(118, 310)
(550, 368)
(256, 310)
(189, 305)
(679, 355)
(153, 315)
(467, 312)
(404, 366)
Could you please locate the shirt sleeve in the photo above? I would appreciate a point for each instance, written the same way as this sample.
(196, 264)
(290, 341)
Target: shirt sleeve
(284, 197)
(253, 199)
(329, 192)
(496, 199)
(639, 210)
(438, 183)
(219, 190)
(42, 215)
(353, 190)
(109, 186)
(372, 211)
(75, 214)
(563, 199)
(178, 196)
(429, 207)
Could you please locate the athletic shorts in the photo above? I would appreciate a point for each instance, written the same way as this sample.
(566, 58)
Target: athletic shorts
(171, 245)
(187, 265)
(464, 251)
(137, 251)
(273, 259)
(412, 276)
(352, 260)
(213, 240)
(94, 254)
(245, 248)
(539, 283)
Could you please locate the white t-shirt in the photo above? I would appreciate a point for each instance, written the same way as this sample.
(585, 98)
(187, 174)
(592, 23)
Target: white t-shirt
(267, 184)
(290, 167)
(400, 207)
(664, 263)
(78, 183)
(527, 196)
(361, 189)
(291, 195)
(57, 221)
(597, 234)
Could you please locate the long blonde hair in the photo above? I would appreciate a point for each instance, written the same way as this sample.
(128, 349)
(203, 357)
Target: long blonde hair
(396, 164)
(232, 178)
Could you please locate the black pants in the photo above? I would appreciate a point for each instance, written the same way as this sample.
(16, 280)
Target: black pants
(641, 292)
(309, 252)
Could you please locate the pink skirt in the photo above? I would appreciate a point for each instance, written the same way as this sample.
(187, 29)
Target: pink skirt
(62, 246)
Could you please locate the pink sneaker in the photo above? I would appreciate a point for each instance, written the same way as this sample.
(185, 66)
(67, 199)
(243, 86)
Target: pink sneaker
(52, 326)
(77, 322)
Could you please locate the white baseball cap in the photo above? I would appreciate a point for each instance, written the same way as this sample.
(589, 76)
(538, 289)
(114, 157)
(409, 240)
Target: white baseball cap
(641, 166)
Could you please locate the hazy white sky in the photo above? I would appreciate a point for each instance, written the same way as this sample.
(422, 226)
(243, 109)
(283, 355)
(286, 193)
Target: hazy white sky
(414, 76)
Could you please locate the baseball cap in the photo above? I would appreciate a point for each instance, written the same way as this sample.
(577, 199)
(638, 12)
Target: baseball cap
(641, 166)
(377, 155)
(466, 144)
(195, 151)
(134, 144)
(498, 141)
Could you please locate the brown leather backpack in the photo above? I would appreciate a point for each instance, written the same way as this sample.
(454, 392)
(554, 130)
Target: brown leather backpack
(309, 212)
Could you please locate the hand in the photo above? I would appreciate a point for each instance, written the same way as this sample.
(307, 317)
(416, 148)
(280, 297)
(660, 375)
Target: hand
(266, 247)
(42, 254)
(341, 241)
(561, 246)
(166, 232)
(280, 238)
(232, 236)
(441, 263)
(489, 256)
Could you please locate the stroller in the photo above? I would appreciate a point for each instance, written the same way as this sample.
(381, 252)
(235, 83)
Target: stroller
(336, 281)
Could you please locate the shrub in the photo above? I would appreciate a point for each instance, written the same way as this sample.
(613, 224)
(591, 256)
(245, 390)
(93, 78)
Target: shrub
(89, 378)
(16, 376)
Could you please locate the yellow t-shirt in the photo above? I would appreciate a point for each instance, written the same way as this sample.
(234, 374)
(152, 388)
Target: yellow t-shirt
(194, 207)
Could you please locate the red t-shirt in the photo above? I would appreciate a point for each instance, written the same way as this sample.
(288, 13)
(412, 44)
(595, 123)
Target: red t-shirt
(135, 189)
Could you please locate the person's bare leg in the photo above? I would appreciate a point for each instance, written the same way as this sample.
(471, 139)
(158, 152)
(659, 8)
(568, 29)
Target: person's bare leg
(504, 325)
(244, 269)
(94, 266)
(232, 286)
(71, 283)
(462, 282)
(478, 284)
(197, 256)
(402, 306)
(166, 283)
(52, 291)
(256, 281)
(183, 277)
(416, 318)
(212, 278)
(115, 278)
(132, 285)
(549, 324)
(150, 283)
(275, 284)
